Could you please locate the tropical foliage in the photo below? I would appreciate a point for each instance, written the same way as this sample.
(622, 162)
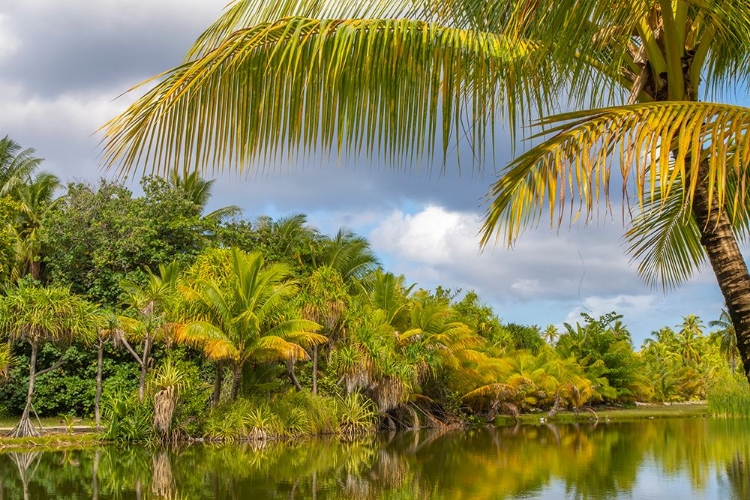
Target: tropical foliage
(253, 329)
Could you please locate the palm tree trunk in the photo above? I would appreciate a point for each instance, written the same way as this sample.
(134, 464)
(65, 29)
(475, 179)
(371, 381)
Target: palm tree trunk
(315, 370)
(98, 397)
(292, 375)
(236, 381)
(727, 263)
(217, 383)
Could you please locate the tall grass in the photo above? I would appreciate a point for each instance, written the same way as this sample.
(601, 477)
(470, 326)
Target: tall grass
(730, 399)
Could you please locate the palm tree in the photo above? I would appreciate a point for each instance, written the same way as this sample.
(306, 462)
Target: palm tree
(424, 70)
(689, 337)
(550, 334)
(148, 303)
(35, 199)
(351, 256)
(198, 191)
(727, 337)
(37, 315)
(236, 318)
(16, 166)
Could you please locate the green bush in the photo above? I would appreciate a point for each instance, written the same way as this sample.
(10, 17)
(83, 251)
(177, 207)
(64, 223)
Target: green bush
(128, 419)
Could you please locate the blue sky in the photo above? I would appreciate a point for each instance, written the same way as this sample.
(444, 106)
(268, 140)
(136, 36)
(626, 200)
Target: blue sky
(63, 65)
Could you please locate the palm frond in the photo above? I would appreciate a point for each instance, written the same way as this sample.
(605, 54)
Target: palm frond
(380, 87)
(272, 348)
(656, 145)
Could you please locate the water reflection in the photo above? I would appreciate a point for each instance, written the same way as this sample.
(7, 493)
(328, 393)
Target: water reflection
(695, 458)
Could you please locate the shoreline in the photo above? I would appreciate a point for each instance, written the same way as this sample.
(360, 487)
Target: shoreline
(56, 437)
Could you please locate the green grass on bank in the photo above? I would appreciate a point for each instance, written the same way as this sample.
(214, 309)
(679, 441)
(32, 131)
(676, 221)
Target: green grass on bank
(49, 442)
(650, 411)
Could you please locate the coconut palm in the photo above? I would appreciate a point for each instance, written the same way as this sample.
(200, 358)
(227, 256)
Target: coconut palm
(35, 198)
(550, 334)
(37, 315)
(351, 256)
(295, 76)
(727, 338)
(198, 191)
(16, 165)
(236, 318)
(689, 338)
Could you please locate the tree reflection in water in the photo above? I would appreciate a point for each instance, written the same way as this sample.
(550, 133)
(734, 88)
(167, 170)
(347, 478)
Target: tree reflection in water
(710, 458)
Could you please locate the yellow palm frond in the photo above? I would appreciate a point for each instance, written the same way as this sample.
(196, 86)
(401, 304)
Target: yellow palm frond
(220, 349)
(655, 145)
(496, 390)
(272, 348)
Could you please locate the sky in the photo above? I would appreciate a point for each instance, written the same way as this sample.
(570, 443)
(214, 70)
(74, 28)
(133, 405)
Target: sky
(64, 65)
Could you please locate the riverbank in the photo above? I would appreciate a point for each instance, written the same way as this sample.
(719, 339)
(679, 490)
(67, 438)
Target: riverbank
(615, 414)
(55, 435)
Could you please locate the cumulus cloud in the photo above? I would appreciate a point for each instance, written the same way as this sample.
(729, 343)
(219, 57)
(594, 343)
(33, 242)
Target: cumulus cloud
(435, 241)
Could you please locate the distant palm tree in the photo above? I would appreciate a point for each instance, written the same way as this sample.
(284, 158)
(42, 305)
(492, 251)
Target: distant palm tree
(35, 198)
(236, 318)
(198, 191)
(16, 166)
(551, 334)
(727, 338)
(350, 255)
(689, 338)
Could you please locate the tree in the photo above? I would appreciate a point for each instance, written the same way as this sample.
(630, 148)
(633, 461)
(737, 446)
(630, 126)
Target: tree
(234, 317)
(550, 334)
(35, 199)
(96, 236)
(727, 337)
(111, 329)
(148, 303)
(689, 337)
(16, 165)
(633, 69)
(36, 315)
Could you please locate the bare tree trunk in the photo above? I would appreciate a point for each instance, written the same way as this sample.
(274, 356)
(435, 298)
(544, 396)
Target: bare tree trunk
(144, 367)
(315, 370)
(217, 383)
(727, 263)
(98, 397)
(24, 427)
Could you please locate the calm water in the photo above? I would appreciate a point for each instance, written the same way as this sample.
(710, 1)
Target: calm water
(692, 458)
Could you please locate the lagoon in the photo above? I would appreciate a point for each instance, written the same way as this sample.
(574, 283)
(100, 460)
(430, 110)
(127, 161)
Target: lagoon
(694, 458)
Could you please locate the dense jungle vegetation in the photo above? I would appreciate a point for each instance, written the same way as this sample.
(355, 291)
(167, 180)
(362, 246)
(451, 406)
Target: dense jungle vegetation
(160, 320)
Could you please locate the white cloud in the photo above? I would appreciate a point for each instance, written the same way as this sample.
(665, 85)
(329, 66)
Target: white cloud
(627, 305)
(432, 236)
(438, 246)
